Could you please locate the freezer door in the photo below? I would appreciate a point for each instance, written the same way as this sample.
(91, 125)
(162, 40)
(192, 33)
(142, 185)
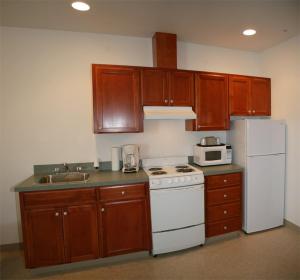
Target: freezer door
(265, 137)
(176, 208)
(264, 192)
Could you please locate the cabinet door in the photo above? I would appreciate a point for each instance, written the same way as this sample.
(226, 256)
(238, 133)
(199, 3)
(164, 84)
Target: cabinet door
(44, 237)
(211, 102)
(116, 99)
(181, 88)
(239, 96)
(125, 226)
(81, 232)
(154, 87)
(260, 98)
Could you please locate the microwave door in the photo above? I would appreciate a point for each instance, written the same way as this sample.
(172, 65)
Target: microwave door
(213, 156)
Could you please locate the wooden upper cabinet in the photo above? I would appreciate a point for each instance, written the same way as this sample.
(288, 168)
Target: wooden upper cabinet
(116, 99)
(249, 96)
(80, 232)
(260, 98)
(154, 87)
(239, 96)
(167, 87)
(181, 88)
(211, 102)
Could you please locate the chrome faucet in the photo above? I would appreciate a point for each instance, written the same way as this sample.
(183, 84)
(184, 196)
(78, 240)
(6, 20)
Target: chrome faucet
(67, 168)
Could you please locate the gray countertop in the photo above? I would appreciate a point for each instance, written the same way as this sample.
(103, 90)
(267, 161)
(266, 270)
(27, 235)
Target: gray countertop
(110, 178)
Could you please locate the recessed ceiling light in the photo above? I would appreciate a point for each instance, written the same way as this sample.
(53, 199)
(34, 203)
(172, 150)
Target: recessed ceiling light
(80, 6)
(249, 32)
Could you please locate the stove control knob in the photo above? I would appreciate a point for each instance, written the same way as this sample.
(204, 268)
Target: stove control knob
(155, 182)
(175, 180)
(188, 178)
(169, 181)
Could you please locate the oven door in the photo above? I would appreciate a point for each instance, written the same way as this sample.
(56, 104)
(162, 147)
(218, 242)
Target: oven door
(176, 208)
(213, 155)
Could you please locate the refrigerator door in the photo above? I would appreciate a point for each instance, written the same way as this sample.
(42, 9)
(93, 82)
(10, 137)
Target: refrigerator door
(265, 137)
(264, 192)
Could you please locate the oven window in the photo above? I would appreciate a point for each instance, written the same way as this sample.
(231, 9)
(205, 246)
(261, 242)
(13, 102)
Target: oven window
(213, 155)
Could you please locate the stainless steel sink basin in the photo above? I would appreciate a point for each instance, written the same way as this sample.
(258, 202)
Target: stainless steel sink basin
(67, 177)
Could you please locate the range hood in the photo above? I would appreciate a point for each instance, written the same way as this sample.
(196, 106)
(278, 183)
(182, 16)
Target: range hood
(168, 113)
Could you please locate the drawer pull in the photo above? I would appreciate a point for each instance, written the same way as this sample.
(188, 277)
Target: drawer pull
(225, 212)
(225, 227)
(102, 209)
(56, 214)
(65, 213)
(166, 100)
(122, 192)
(225, 181)
(225, 195)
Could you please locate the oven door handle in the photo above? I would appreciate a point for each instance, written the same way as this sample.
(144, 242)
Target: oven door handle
(195, 187)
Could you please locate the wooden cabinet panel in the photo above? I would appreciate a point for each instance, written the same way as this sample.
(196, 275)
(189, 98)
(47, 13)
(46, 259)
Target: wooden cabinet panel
(117, 106)
(223, 211)
(43, 237)
(239, 96)
(80, 232)
(154, 87)
(260, 98)
(58, 197)
(224, 226)
(249, 96)
(223, 180)
(181, 88)
(211, 103)
(223, 195)
(125, 226)
(122, 192)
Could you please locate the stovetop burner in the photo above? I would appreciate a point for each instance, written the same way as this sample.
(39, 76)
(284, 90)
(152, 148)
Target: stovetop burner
(185, 170)
(158, 172)
(181, 166)
(155, 168)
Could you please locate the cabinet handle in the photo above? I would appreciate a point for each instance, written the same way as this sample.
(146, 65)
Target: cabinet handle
(102, 209)
(225, 212)
(56, 214)
(225, 181)
(225, 227)
(199, 125)
(253, 111)
(65, 213)
(172, 101)
(122, 192)
(225, 195)
(249, 111)
(166, 100)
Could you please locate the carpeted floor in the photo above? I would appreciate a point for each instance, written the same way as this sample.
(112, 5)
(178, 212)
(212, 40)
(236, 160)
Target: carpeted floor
(273, 254)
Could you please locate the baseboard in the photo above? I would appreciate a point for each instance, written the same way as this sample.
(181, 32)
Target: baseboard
(12, 246)
(291, 225)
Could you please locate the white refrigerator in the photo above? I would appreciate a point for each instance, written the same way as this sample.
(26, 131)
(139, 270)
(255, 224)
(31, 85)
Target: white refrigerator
(259, 146)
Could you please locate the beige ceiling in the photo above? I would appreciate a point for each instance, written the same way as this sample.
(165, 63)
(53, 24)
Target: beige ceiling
(212, 22)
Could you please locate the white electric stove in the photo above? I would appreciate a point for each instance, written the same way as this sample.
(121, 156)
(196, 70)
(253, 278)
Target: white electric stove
(177, 204)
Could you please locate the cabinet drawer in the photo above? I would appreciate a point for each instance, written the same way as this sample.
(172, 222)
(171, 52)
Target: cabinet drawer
(219, 181)
(122, 192)
(224, 211)
(221, 227)
(224, 195)
(58, 198)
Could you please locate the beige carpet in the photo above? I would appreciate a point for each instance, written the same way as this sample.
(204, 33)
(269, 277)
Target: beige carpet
(273, 254)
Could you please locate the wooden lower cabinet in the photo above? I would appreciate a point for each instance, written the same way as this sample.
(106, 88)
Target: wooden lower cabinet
(223, 203)
(64, 226)
(124, 219)
(43, 232)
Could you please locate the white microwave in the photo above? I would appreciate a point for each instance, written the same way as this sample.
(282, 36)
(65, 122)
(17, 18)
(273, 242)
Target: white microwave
(212, 155)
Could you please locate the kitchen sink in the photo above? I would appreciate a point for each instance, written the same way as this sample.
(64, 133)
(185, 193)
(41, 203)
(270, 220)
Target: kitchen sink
(67, 177)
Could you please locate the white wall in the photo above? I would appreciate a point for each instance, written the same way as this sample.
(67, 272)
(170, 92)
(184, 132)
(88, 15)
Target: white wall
(47, 106)
(282, 64)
